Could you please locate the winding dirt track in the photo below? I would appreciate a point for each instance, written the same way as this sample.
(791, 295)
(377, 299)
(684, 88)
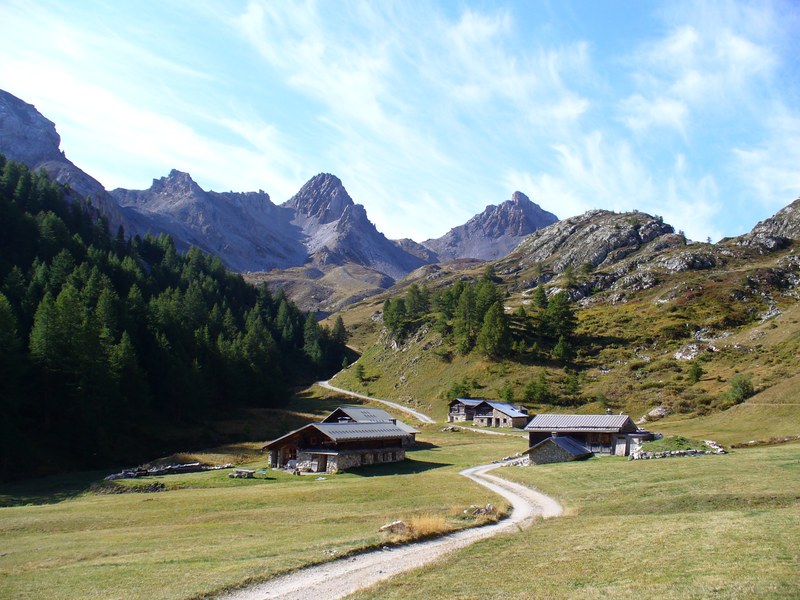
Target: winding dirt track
(339, 578)
(421, 416)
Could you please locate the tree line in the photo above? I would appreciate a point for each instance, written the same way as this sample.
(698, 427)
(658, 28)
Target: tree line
(472, 316)
(106, 342)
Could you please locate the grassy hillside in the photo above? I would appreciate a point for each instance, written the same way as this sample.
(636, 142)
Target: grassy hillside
(722, 527)
(737, 319)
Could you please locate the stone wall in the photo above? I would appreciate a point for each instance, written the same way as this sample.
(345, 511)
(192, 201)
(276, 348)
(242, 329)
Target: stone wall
(547, 453)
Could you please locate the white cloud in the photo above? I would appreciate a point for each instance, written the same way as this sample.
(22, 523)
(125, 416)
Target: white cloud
(770, 170)
(597, 172)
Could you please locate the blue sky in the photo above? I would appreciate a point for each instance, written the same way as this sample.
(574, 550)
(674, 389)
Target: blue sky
(429, 111)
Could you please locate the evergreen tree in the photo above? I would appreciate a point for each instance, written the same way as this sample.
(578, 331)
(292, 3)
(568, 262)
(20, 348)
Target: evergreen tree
(494, 339)
(339, 333)
(540, 297)
(559, 317)
(695, 372)
(465, 324)
(538, 390)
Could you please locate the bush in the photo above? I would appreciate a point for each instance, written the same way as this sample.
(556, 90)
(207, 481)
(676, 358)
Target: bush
(741, 388)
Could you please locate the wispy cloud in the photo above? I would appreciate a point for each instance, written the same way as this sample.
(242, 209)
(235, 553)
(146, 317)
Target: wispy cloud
(426, 111)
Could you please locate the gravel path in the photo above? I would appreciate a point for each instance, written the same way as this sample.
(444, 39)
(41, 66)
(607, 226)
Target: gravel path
(421, 416)
(342, 577)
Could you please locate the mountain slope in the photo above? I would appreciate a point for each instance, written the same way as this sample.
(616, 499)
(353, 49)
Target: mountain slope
(246, 230)
(494, 232)
(338, 231)
(28, 137)
(649, 305)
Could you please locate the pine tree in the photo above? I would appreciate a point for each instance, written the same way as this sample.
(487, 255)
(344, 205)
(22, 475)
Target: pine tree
(494, 339)
(559, 317)
(339, 333)
(540, 297)
(465, 325)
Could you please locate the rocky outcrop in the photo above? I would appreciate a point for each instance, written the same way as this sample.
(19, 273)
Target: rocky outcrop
(774, 233)
(246, 230)
(595, 240)
(409, 246)
(28, 137)
(337, 230)
(493, 233)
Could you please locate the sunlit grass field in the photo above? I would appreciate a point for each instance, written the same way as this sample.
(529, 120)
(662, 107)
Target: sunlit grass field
(704, 527)
(207, 532)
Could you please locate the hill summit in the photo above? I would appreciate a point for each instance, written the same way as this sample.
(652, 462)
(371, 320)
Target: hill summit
(493, 233)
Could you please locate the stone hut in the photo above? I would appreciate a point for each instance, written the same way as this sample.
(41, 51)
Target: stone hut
(333, 447)
(557, 449)
(487, 413)
(500, 414)
(606, 434)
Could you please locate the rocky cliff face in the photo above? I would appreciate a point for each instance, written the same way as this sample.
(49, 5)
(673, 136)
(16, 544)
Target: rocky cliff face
(774, 233)
(338, 231)
(30, 138)
(493, 233)
(246, 230)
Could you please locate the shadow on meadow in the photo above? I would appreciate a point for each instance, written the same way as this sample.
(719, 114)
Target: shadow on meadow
(405, 467)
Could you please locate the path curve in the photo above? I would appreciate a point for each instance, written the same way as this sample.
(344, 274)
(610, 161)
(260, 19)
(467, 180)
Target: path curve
(345, 576)
(421, 416)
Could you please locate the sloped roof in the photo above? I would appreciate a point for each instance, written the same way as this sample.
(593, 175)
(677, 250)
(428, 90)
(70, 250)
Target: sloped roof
(506, 408)
(350, 431)
(503, 407)
(571, 445)
(366, 414)
(583, 423)
(361, 414)
(469, 401)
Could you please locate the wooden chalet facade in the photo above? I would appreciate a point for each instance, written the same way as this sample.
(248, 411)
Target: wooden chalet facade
(487, 413)
(600, 434)
(333, 447)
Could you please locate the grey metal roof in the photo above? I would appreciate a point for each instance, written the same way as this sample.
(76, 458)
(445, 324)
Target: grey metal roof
(597, 423)
(571, 445)
(506, 408)
(364, 414)
(360, 431)
(469, 401)
(348, 431)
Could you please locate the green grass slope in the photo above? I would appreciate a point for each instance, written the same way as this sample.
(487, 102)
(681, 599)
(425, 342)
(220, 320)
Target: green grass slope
(206, 532)
(737, 319)
(715, 526)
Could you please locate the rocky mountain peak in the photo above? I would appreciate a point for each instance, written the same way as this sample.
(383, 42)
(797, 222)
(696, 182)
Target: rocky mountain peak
(28, 136)
(494, 232)
(177, 182)
(598, 238)
(323, 199)
(519, 198)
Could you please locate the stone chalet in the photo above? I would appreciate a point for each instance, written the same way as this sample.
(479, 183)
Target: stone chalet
(606, 434)
(365, 414)
(555, 450)
(333, 447)
(487, 413)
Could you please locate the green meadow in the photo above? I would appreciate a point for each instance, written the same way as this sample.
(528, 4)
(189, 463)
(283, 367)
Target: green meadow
(704, 527)
(206, 532)
(713, 526)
